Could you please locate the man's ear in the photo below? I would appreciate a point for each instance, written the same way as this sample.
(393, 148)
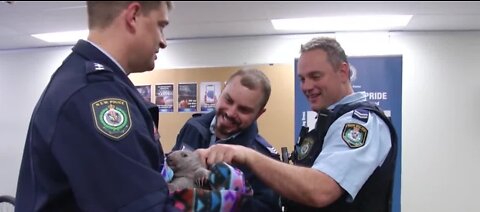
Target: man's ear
(261, 112)
(344, 70)
(131, 14)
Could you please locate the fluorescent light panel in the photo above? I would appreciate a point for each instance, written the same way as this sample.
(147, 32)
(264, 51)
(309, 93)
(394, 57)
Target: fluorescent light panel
(62, 37)
(343, 23)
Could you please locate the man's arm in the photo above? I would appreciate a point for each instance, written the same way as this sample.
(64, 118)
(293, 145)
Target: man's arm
(301, 184)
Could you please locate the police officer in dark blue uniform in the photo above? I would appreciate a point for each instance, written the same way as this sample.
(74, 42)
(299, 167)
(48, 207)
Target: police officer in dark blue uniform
(234, 122)
(91, 143)
(347, 162)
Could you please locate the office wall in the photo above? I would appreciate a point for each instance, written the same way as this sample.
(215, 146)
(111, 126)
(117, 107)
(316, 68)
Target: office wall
(441, 96)
(274, 124)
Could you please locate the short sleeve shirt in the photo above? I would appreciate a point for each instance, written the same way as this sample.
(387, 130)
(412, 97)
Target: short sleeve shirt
(351, 167)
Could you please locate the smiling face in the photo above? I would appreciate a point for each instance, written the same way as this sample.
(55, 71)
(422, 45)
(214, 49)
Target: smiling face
(237, 108)
(322, 84)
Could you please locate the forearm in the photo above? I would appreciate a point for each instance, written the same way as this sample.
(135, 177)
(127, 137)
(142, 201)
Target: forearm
(304, 185)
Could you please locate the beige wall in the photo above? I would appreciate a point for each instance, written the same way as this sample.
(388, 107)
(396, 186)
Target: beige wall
(276, 124)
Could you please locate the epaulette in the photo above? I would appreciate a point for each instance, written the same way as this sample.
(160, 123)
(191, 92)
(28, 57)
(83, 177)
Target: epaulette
(265, 144)
(361, 114)
(98, 72)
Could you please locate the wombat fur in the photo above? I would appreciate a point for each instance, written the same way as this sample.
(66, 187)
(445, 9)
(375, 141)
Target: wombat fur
(188, 170)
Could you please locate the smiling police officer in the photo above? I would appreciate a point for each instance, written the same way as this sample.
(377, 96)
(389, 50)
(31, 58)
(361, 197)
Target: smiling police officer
(91, 143)
(347, 162)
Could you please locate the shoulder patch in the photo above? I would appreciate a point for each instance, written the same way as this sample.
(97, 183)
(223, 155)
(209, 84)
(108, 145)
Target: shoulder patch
(361, 114)
(112, 117)
(306, 145)
(354, 135)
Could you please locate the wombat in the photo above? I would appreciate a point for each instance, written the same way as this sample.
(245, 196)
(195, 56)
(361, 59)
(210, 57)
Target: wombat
(188, 171)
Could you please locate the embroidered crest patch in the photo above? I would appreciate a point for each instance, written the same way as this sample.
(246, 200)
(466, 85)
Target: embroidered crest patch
(305, 147)
(354, 135)
(112, 117)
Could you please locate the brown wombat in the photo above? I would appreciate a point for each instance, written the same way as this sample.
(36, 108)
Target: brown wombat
(188, 172)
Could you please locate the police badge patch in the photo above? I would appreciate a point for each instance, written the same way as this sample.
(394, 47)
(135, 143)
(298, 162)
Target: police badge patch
(305, 147)
(112, 117)
(354, 135)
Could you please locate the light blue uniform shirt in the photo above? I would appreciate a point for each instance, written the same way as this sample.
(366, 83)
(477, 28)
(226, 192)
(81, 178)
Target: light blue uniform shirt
(351, 167)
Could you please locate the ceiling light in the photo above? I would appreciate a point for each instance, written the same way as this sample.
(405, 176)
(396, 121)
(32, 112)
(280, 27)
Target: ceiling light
(62, 37)
(343, 23)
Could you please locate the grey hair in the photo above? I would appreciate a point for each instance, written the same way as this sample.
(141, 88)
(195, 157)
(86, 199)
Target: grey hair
(336, 54)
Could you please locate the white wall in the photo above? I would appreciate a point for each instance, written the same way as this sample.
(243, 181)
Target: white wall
(23, 75)
(440, 101)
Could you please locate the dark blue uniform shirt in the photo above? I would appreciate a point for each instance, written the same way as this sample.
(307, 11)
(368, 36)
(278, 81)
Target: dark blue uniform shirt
(91, 144)
(196, 134)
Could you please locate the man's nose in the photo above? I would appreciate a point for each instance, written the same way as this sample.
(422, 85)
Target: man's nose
(163, 42)
(306, 85)
(231, 112)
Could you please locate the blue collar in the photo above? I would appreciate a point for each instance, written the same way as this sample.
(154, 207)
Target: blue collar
(107, 54)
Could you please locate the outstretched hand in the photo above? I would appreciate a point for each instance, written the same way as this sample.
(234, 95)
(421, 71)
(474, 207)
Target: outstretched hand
(231, 154)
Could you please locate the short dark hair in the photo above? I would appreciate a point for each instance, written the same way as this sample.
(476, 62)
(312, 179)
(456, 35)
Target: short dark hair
(252, 79)
(102, 13)
(336, 54)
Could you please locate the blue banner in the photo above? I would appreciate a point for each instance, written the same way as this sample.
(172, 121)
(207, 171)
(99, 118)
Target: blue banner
(381, 78)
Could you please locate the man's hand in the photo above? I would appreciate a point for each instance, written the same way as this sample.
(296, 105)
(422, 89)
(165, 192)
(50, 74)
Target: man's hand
(231, 154)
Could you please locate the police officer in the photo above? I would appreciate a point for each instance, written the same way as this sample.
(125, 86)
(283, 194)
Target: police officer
(347, 162)
(234, 122)
(91, 143)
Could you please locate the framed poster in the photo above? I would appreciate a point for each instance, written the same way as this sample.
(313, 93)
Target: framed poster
(145, 91)
(187, 97)
(209, 94)
(164, 97)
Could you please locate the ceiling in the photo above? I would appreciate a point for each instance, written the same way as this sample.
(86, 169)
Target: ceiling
(197, 19)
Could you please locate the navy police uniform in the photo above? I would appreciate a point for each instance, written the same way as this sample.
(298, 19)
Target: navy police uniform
(198, 133)
(91, 143)
(356, 144)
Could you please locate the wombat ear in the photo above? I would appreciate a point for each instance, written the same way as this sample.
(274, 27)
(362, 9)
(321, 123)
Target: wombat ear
(187, 147)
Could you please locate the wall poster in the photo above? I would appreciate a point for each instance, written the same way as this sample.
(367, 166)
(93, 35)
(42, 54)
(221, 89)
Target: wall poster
(164, 97)
(209, 94)
(187, 97)
(145, 92)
